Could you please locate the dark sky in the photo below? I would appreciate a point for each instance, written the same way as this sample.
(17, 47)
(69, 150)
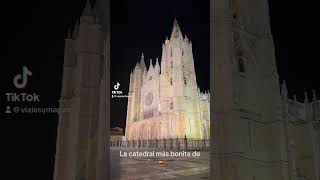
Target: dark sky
(33, 35)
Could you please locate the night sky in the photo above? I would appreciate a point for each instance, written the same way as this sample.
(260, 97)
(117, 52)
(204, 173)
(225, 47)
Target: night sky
(33, 35)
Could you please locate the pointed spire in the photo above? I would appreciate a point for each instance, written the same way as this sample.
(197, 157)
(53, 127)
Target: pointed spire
(186, 37)
(306, 97)
(284, 85)
(88, 11)
(314, 95)
(176, 32)
(142, 63)
(76, 29)
(151, 65)
(284, 91)
(163, 54)
(137, 65)
(157, 66)
(175, 22)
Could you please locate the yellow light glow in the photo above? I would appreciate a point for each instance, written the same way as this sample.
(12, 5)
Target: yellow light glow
(159, 162)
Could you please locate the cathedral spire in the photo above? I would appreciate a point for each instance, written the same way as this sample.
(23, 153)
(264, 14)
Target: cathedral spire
(137, 65)
(75, 32)
(306, 100)
(186, 38)
(88, 11)
(284, 91)
(142, 63)
(151, 65)
(176, 32)
(157, 66)
(314, 96)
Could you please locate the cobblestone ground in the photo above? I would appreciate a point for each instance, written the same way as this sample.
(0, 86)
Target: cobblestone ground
(142, 168)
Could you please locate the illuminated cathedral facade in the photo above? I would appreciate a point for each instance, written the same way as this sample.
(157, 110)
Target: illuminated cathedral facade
(165, 100)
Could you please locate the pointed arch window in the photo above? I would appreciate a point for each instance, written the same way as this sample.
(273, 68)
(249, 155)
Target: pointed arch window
(171, 81)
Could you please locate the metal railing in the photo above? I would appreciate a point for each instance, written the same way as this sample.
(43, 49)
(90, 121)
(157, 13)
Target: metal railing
(171, 143)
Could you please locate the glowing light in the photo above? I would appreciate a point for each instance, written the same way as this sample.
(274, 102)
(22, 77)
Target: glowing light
(160, 162)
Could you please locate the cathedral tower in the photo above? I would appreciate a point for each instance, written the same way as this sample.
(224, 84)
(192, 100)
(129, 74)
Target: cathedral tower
(81, 136)
(167, 95)
(249, 131)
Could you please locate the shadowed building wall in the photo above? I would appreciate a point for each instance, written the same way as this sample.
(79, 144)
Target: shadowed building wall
(252, 137)
(81, 150)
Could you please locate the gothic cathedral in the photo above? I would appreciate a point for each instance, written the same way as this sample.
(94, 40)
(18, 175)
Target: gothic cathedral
(165, 100)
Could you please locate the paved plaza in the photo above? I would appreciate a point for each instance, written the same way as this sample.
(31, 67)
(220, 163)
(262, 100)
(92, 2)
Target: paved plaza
(140, 168)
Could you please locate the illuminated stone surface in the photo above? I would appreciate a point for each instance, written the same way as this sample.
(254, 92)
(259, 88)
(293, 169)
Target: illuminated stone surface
(165, 101)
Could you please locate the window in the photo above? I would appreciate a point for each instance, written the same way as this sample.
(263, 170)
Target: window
(171, 53)
(150, 78)
(148, 113)
(185, 80)
(182, 53)
(171, 81)
(171, 105)
(242, 65)
(171, 64)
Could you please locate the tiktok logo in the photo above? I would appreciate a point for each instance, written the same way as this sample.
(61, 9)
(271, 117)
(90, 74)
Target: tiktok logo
(22, 78)
(116, 87)
(116, 92)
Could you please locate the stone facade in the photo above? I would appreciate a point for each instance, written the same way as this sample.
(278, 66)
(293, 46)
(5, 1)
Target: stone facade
(81, 152)
(303, 129)
(255, 134)
(164, 100)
